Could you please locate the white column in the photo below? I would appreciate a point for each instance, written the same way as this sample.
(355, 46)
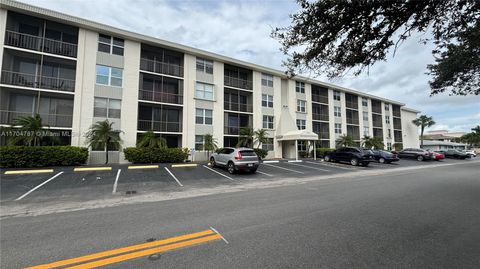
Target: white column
(296, 150)
(314, 151)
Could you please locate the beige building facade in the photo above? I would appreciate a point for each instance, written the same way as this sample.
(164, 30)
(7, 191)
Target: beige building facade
(75, 72)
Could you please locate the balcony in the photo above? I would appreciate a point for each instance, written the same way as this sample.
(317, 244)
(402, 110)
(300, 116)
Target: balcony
(238, 83)
(397, 123)
(238, 107)
(320, 99)
(161, 97)
(397, 136)
(38, 43)
(320, 117)
(51, 120)
(161, 67)
(34, 81)
(396, 111)
(159, 126)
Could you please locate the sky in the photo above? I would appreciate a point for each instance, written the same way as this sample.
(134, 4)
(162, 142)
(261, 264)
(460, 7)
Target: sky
(241, 30)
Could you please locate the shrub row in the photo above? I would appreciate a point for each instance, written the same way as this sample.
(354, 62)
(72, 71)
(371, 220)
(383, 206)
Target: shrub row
(155, 155)
(22, 156)
(262, 153)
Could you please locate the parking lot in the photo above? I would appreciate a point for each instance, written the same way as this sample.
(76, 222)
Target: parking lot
(84, 184)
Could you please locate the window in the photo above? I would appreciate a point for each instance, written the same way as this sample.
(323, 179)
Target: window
(389, 145)
(110, 45)
(365, 116)
(338, 128)
(301, 124)
(106, 108)
(364, 102)
(204, 65)
(300, 87)
(387, 107)
(336, 95)
(337, 111)
(387, 119)
(199, 141)
(389, 133)
(366, 131)
(302, 145)
(268, 145)
(109, 76)
(204, 91)
(301, 106)
(203, 116)
(267, 80)
(267, 100)
(268, 122)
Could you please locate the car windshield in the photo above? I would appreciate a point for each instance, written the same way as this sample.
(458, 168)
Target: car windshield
(248, 153)
(367, 151)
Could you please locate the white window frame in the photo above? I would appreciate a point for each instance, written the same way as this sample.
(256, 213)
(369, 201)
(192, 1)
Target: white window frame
(107, 108)
(366, 131)
(337, 111)
(268, 146)
(389, 145)
(267, 80)
(389, 133)
(387, 107)
(387, 119)
(300, 86)
(301, 124)
(268, 122)
(268, 99)
(110, 76)
(111, 44)
(365, 115)
(364, 102)
(337, 96)
(202, 143)
(301, 106)
(203, 91)
(203, 116)
(205, 63)
(338, 128)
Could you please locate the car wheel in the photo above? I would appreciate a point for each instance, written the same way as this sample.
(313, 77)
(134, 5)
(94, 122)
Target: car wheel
(212, 162)
(365, 164)
(231, 168)
(354, 161)
(381, 160)
(419, 158)
(327, 158)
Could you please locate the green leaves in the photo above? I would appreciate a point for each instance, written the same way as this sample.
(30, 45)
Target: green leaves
(155, 155)
(151, 140)
(345, 141)
(20, 156)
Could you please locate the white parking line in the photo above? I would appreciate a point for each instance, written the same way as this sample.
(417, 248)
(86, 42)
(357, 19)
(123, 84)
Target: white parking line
(263, 173)
(116, 181)
(174, 177)
(279, 167)
(316, 168)
(218, 172)
(276, 161)
(332, 165)
(43, 183)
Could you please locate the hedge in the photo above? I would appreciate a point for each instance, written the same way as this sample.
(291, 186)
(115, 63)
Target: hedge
(262, 153)
(321, 152)
(42, 156)
(155, 155)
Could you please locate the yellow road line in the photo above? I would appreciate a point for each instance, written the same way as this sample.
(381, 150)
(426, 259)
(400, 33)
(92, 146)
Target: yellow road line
(146, 252)
(121, 250)
(185, 165)
(142, 166)
(12, 172)
(80, 169)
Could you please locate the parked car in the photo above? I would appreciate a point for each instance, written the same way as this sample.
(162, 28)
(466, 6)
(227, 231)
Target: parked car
(438, 156)
(455, 154)
(236, 159)
(383, 156)
(354, 156)
(413, 153)
(471, 152)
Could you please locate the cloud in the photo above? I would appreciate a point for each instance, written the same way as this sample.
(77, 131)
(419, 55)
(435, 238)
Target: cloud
(241, 29)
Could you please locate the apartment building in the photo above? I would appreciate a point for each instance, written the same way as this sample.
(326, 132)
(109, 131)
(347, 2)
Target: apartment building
(74, 72)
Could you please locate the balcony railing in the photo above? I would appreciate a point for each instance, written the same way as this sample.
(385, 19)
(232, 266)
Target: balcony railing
(34, 81)
(352, 120)
(351, 104)
(234, 130)
(51, 120)
(162, 97)
(238, 107)
(322, 117)
(323, 135)
(238, 83)
(319, 98)
(397, 124)
(159, 126)
(39, 43)
(161, 67)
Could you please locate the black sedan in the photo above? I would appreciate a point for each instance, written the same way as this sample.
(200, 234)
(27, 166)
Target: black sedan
(383, 156)
(352, 155)
(455, 154)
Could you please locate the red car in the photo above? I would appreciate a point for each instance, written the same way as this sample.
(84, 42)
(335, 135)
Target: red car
(438, 156)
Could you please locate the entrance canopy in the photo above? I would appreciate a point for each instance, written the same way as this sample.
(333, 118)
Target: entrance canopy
(297, 135)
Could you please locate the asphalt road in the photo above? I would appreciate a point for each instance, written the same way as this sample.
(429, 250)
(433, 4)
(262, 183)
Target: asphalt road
(427, 218)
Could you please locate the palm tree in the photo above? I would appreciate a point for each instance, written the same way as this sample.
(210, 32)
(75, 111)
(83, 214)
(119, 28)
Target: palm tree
(151, 140)
(209, 144)
(423, 121)
(344, 141)
(261, 137)
(373, 142)
(476, 129)
(31, 130)
(101, 135)
(246, 138)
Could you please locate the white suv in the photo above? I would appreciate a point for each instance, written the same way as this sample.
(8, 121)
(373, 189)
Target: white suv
(235, 159)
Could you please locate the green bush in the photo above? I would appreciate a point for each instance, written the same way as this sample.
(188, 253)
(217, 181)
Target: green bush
(22, 156)
(155, 155)
(262, 153)
(321, 152)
